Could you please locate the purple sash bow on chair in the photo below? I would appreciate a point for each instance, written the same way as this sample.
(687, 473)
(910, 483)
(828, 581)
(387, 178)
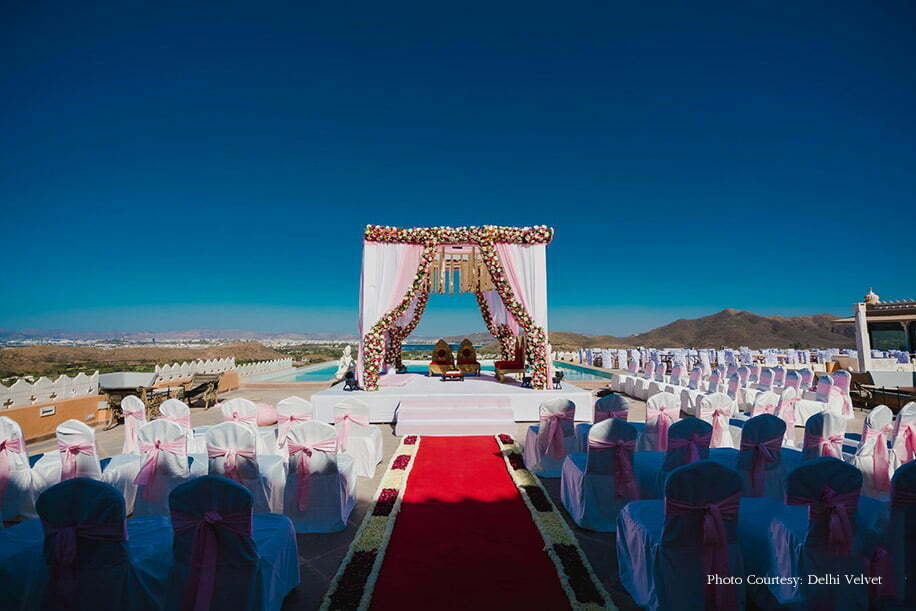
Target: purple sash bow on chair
(147, 476)
(766, 453)
(69, 452)
(303, 453)
(827, 446)
(838, 510)
(715, 543)
(198, 590)
(606, 414)
(231, 466)
(692, 443)
(881, 480)
(624, 479)
(63, 558)
(6, 470)
(343, 432)
(132, 419)
(555, 448)
(286, 423)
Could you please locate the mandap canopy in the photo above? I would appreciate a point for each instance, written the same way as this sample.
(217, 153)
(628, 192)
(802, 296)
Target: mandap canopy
(506, 267)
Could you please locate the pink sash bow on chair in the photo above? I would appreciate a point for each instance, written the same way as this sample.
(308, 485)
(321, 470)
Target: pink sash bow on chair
(607, 414)
(766, 453)
(839, 511)
(909, 443)
(624, 479)
(231, 466)
(847, 404)
(68, 456)
(662, 422)
(236, 417)
(286, 422)
(6, 469)
(715, 542)
(343, 432)
(184, 421)
(147, 475)
(555, 448)
(692, 443)
(132, 420)
(827, 446)
(881, 479)
(769, 408)
(718, 427)
(63, 558)
(198, 591)
(303, 453)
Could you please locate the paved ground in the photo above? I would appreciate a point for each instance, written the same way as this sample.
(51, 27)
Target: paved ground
(320, 555)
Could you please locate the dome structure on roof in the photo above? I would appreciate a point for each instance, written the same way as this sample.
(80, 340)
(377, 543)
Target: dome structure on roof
(871, 298)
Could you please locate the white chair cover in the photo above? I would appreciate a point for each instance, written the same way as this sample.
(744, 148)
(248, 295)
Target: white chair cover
(663, 560)
(290, 411)
(899, 540)
(357, 437)
(793, 380)
(606, 407)
(779, 377)
(662, 411)
(232, 452)
(253, 558)
(718, 409)
(816, 402)
(822, 531)
(548, 442)
(785, 411)
(93, 559)
(245, 412)
(134, 417)
(760, 457)
(76, 457)
(743, 373)
(765, 403)
(904, 449)
(842, 380)
(873, 458)
(321, 485)
(179, 413)
(807, 377)
(824, 435)
(17, 492)
(595, 484)
(164, 466)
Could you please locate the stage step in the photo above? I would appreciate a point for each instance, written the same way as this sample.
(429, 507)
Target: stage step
(444, 428)
(454, 417)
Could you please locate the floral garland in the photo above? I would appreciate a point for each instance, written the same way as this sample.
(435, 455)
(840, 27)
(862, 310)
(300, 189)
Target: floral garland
(578, 579)
(354, 582)
(538, 234)
(397, 335)
(374, 341)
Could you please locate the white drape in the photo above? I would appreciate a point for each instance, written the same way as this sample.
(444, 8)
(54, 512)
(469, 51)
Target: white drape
(498, 312)
(388, 271)
(525, 266)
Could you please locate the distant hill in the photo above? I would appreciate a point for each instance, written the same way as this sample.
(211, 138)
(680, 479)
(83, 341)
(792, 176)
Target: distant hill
(733, 328)
(737, 328)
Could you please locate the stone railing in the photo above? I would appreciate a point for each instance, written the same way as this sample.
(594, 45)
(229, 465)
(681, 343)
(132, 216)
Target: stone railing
(178, 371)
(261, 367)
(45, 390)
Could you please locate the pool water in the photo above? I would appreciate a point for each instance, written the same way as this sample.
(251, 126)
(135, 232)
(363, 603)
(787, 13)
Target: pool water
(325, 371)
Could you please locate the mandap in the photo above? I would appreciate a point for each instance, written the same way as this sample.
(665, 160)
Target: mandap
(505, 267)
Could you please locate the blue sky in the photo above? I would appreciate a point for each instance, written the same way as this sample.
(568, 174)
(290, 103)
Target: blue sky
(191, 167)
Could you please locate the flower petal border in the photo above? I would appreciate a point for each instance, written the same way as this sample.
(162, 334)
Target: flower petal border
(374, 533)
(557, 535)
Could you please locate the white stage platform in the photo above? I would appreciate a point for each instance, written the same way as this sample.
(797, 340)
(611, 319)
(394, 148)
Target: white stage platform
(478, 398)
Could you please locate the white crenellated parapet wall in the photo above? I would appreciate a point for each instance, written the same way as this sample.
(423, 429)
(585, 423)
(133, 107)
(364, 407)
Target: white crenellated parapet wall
(180, 371)
(45, 390)
(261, 367)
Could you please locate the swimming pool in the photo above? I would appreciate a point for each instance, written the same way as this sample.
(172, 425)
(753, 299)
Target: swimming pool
(323, 372)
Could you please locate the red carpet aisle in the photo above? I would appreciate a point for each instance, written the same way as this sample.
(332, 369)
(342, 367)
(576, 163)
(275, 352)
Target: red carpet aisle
(464, 537)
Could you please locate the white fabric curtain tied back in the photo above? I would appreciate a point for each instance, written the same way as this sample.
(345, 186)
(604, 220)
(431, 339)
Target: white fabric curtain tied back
(303, 453)
(231, 465)
(343, 433)
(286, 422)
(147, 474)
(7, 446)
(69, 452)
